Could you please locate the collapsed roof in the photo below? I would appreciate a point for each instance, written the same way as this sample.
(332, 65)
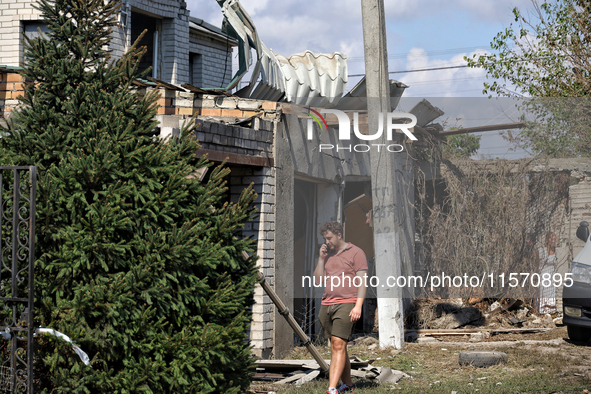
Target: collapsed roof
(305, 78)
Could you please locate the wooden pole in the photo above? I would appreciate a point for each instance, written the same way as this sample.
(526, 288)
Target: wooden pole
(284, 311)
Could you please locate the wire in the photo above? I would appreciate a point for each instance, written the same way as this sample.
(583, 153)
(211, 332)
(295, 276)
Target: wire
(446, 92)
(415, 70)
(438, 52)
(417, 83)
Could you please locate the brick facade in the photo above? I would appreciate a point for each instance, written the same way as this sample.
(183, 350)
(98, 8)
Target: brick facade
(13, 15)
(211, 61)
(176, 41)
(11, 87)
(227, 125)
(255, 139)
(263, 230)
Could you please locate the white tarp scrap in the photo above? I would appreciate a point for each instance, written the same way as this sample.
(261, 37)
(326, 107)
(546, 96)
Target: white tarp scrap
(83, 356)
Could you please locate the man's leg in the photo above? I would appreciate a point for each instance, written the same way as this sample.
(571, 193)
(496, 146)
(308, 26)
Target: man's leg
(346, 374)
(340, 366)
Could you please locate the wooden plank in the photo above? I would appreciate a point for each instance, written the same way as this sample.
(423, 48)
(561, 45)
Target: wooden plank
(478, 129)
(291, 378)
(356, 362)
(165, 84)
(235, 158)
(464, 331)
(268, 376)
(309, 377)
(285, 363)
(292, 322)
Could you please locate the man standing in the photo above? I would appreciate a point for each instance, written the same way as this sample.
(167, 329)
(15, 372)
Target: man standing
(344, 266)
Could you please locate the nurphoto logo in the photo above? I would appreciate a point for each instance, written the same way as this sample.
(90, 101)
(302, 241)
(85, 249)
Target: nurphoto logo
(394, 121)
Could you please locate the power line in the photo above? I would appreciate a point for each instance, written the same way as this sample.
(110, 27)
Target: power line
(415, 70)
(446, 92)
(417, 83)
(439, 52)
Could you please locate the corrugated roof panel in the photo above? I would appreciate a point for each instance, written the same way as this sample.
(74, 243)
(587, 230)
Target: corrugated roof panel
(305, 78)
(356, 98)
(314, 79)
(425, 112)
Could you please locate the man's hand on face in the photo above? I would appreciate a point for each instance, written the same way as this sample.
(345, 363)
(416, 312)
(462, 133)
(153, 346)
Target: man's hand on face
(355, 314)
(323, 251)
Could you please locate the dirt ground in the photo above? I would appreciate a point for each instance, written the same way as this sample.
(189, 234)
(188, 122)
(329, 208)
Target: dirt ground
(537, 363)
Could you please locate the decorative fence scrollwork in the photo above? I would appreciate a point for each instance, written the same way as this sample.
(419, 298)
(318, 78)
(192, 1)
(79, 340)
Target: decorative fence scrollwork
(17, 255)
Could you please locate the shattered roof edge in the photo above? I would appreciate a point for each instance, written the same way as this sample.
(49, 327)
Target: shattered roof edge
(213, 29)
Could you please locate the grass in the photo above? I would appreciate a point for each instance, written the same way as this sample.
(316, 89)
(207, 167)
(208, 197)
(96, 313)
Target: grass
(530, 368)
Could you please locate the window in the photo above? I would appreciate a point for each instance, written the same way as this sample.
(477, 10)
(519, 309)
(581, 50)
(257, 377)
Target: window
(31, 28)
(139, 23)
(195, 69)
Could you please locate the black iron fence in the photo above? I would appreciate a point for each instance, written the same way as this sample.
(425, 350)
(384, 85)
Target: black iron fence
(17, 256)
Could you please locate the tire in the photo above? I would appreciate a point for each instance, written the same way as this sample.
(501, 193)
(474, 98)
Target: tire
(579, 334)
(481, 359)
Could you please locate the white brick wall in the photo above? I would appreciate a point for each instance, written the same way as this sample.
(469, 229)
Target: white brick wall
(174, 44)
(12, 12)
(261, 229)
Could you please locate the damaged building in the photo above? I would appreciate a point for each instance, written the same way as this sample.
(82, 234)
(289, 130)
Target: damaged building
(304, 175)
(261, 130)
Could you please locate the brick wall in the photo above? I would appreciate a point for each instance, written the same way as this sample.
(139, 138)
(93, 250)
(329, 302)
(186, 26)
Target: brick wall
(174, 41)
(256, 141)
(11, 86)
(12, 13)
(263, 230)
(228, 108)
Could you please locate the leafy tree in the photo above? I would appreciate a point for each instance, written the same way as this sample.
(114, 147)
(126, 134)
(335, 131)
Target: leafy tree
(137, 260)
(461, 145)
(547, 55)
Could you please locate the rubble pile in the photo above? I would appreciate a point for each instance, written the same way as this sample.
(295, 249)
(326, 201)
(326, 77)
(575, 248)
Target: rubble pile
(477, 317)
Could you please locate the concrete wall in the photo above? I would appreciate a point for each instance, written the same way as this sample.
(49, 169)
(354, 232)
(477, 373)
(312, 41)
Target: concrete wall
(284, 225)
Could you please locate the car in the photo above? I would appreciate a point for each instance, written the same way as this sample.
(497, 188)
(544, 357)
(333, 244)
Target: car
(576, 294)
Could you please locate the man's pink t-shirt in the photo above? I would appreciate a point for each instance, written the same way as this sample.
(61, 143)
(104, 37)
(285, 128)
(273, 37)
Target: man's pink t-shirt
(343, 265)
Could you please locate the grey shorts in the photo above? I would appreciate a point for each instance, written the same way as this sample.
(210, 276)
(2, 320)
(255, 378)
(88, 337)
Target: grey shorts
(336, 321)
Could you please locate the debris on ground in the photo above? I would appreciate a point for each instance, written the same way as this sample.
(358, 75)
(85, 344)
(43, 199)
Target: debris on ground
(298, 372)
(474, 319)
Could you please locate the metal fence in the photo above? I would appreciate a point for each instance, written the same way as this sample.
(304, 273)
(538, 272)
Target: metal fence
(17, 256)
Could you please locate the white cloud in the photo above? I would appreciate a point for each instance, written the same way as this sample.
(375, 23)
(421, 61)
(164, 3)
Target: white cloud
(254, 6)
(450, 82)
(491, 10)
(293, 26)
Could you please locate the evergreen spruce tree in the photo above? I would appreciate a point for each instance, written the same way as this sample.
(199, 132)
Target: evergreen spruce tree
(137, 261)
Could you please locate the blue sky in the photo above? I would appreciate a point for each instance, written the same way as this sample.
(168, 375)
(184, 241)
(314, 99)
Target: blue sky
(420, 34)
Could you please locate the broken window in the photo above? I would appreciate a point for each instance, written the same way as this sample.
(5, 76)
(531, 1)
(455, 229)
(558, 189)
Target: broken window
(196, 69)
(150, 40)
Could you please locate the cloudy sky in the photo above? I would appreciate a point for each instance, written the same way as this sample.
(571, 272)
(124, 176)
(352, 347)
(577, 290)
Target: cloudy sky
(420, 34)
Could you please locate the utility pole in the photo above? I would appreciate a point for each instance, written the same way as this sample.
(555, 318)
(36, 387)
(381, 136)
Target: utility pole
(385, 212)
